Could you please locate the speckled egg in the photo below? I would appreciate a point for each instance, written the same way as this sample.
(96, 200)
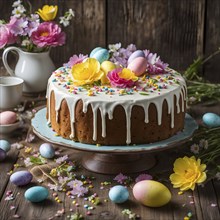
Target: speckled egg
(211, 120)
(138, 66)
(5, 145)
(101, 54)
(118, 194)
(21, 178)
(151, 193)
(36, 194)
(47, 150)
(8, 117)
(135, 54)
(2, 155)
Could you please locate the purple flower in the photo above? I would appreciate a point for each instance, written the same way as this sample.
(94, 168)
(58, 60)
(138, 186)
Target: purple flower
(54, 187)
(48, 34)
(63, 180)
(143, 177)
(120, 178)
(33, 23)
(77, 188)
(117, 81)
(18, 26)
(155, 65)
(75, 59)
(62, 159)
(6, 37)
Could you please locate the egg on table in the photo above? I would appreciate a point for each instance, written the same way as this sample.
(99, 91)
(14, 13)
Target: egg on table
(118, 194)
(99, 53)
(36, 194)
(8, 117)
(21, 178)
(47, 150)
(138, 66)
(135, 54)
(211, 120)
(151, 193)
(5, 145)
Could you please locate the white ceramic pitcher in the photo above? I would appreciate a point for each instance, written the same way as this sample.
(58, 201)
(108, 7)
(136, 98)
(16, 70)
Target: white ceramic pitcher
(34, 68)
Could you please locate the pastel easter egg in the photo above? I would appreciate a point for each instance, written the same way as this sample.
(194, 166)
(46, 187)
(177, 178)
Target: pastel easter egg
(5, 145)
(151, 193)
(211, 120)
(135, 54)
(47, 150)
(107, 66)
(21, 178)
(36, 194)
(8, 117)
(94, 51)
(2, 155)
(138, 66)
(118, 194)
(101, 55)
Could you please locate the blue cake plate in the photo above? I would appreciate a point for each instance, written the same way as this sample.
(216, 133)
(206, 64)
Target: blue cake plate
(114, 159)
(40, 127)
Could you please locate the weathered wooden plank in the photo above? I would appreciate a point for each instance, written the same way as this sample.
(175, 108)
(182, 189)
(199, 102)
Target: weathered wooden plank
(171, 28)
(212, 40)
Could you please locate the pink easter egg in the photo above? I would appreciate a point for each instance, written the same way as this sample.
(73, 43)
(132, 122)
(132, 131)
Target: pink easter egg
(8, 117)
(138, 66)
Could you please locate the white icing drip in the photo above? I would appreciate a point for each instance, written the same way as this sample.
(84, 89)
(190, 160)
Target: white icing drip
(71, 105)
(106, 105)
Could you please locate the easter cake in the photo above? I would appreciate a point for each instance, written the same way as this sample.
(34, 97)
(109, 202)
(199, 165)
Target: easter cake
(116, 96)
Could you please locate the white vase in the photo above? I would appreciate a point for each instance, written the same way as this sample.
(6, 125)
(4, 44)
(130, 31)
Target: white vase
(34, 68)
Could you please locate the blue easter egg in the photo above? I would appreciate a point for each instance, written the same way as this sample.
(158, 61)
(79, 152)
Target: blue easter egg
(135, 54)
(5, 145)
(118, 194)
(101, 54)
(21, 178)
(211, 120)
(47, 150)
(36, 194)
(94, 51)
(2, 155)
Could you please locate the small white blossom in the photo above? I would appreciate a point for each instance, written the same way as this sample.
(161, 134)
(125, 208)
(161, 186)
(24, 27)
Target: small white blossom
(16, 3)
(195, 148)
(203, 144)
(25, 43)
(28, 162)
(114, 47)
(19, 11)
(64, 21)
(217, 176)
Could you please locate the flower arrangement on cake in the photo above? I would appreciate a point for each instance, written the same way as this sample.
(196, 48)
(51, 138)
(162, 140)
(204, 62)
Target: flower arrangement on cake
(34, 32)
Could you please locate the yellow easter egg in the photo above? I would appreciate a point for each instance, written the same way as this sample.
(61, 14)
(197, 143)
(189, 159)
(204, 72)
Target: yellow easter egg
(106, 66)
(151, 193)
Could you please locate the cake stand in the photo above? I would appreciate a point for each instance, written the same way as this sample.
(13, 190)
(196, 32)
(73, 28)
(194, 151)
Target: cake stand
(114, 159)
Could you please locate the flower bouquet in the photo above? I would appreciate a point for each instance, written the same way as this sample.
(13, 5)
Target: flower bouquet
(34, 32)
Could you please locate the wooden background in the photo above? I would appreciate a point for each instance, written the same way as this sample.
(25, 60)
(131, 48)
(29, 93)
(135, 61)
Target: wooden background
(178, 30)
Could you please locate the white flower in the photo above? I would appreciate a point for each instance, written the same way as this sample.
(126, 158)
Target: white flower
(28, 162)
(203, 144)
(19, 11)
(25, 43)
(114, 47)
(217, 175)
(195, 148)
(71, 13)
(16, 3)
(64, 21)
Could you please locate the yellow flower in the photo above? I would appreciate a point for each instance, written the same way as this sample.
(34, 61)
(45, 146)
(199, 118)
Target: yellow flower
(87, 72)
(187, 172)
(48, 13)
(128, 74)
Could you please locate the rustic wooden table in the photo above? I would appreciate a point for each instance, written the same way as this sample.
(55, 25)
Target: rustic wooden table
(203, 203)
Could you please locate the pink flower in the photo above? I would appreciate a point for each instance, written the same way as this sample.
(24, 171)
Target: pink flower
(117, 81)
(143, 177)
(155, 65)
(48, 34)
(120, 178)
(6, 37)
(77, 188)
(75, 59)
(18, 26)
